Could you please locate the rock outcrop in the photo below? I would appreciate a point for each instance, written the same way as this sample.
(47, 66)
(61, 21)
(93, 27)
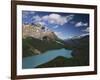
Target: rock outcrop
(38, 31)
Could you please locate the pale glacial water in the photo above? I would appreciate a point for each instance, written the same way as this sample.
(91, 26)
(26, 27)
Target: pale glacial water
(34, 61)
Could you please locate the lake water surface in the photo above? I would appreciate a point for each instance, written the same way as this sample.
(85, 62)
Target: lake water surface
(34, 61)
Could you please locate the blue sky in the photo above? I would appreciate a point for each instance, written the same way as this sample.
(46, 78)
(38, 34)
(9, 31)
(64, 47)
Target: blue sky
(65, 25)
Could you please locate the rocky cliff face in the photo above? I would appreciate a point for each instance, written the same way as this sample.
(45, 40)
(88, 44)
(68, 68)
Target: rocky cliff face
(38, 31)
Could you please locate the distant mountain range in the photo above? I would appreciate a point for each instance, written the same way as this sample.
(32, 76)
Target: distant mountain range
(77, 42)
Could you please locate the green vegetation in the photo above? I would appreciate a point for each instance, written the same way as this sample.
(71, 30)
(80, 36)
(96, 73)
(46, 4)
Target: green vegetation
(64, 62)
(33, 46)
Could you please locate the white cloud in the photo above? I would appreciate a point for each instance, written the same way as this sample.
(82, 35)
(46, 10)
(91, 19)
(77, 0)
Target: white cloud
(55, 26)
(69, 17)
(31, 12)
(45, 18)
(72, 22)
(36, 18)
(53, 19)
(79, 36)
(26, 13)
(41, 23)
(79, 24)
(84, 34)
(58, 33)
(86, 30)
(57, 19)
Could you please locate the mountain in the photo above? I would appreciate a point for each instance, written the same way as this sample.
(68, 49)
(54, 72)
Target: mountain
(33, 46)
(80, 47)
(39, 32)
(79, 42)
(38, 39)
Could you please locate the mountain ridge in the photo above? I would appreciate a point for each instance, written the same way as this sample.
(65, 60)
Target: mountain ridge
(39, 32)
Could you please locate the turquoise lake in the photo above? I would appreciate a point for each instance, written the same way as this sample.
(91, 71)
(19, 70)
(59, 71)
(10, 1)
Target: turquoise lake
(34, 61)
